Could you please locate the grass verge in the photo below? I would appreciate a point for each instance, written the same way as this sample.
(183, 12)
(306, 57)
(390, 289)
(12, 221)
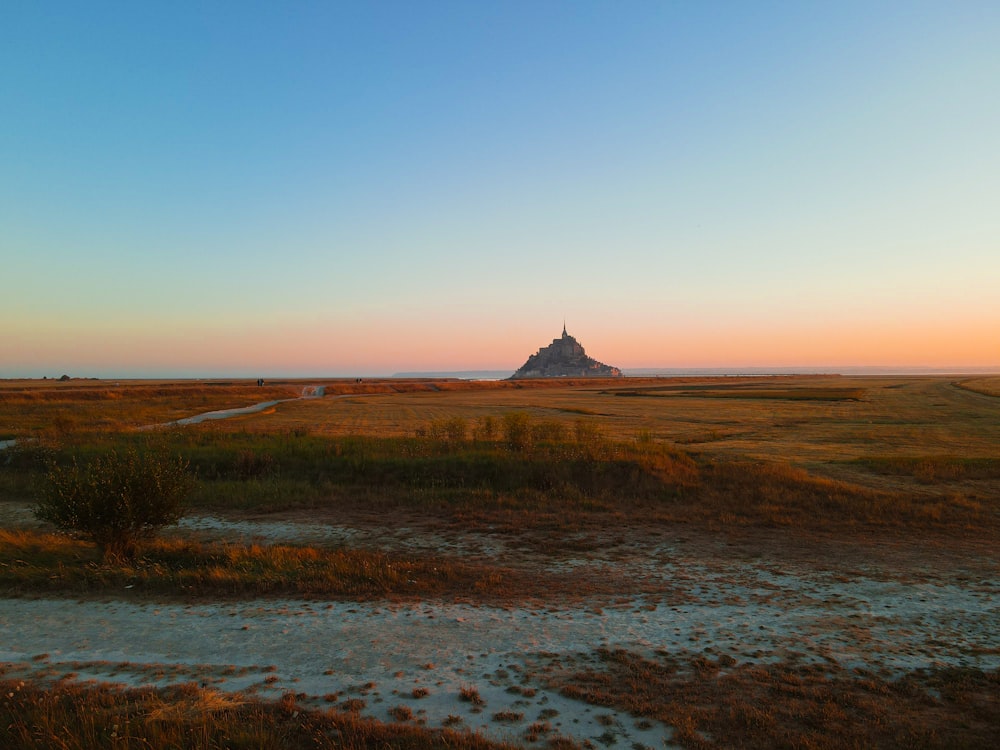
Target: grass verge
(74, 717)
(37, 563)
(775, 394)
(530, 475)
(717, 703)
(932, 469)
(989, 386)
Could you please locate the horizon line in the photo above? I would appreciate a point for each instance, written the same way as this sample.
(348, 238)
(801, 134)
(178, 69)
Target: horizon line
(498, 371)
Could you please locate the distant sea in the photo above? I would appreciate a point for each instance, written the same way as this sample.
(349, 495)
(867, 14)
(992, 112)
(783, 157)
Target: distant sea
(461, 374)
(649, 372)
(688, 372)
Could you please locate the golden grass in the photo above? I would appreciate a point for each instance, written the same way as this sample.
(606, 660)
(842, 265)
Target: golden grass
(36, 562)
(794, 392)
(906, 417)
(75, 717)
(33, 408)
(714, 703)
(989, 386)
(928, 440)
(891, 410)
(193, 704)
(895, 415)
(29, 408)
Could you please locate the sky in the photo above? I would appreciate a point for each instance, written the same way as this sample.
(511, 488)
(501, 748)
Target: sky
(192, 189)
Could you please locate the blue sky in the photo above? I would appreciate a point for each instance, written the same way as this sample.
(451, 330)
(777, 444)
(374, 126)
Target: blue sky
(334, 188)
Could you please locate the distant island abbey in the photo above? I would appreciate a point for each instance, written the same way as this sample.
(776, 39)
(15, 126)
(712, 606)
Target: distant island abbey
(564, 358)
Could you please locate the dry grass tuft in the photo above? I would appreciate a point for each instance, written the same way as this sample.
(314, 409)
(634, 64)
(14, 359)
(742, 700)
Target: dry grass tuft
(191, 702)
(401, 713)
(766, 706)
(75, 717)
(506, 715)
(31, 561)
(471, 695)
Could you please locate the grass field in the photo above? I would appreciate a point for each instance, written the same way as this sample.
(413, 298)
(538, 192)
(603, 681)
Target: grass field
(53, 408)
(913, 453)
(798, 419)
(988, 386)
(568, 488)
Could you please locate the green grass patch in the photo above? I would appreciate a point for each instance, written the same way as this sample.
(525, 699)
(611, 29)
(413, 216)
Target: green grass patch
(19, 487)
(265, 495)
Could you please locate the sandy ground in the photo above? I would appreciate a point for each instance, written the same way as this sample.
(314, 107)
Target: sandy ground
(882, 609)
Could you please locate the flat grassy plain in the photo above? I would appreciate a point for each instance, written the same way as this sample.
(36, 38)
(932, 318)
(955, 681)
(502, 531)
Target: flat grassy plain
(920, 435)
(916, 453)
(573, 482)
(54, 408)
(810, 422)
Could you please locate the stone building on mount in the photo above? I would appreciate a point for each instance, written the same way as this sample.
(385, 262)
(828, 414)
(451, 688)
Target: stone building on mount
(564, 358)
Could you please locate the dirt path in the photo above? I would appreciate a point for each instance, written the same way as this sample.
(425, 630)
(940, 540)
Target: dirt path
(308, 392)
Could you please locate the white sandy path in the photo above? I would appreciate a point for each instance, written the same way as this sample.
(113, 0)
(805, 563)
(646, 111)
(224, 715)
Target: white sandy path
(319, 648)
(751, 615)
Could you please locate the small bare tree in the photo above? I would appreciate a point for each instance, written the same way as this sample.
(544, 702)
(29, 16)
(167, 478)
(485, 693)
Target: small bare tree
(116, 499)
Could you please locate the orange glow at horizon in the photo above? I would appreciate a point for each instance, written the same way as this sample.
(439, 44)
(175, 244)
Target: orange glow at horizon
(376, 348)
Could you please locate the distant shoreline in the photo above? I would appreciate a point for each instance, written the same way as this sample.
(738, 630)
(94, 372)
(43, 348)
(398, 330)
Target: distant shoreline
(633, 372)
(674, 372)
(856, 370)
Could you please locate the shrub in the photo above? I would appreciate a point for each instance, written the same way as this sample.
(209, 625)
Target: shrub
(587, 433)
(517, 430)
(117, 499)
(553, 432)
(452, 430)
(486, 429)
(471, 695)
(455, 429)
(251, 465)
(29, 455)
